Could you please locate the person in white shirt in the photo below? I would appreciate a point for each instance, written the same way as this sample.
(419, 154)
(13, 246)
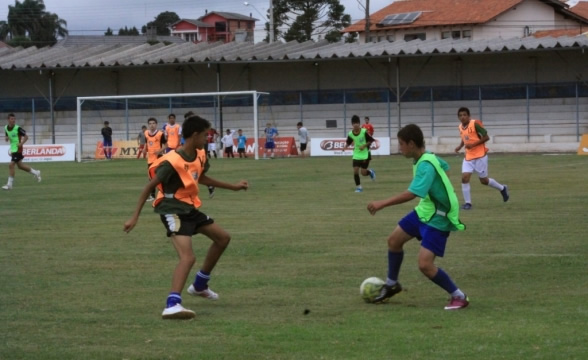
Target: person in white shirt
(228, 143)
(302, 137)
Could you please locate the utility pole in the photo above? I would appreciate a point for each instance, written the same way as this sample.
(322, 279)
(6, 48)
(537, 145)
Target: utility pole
(271, 24)
(367, 21)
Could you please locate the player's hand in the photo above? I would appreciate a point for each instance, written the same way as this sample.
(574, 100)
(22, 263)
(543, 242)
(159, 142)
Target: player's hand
(129, 225)
(457, 149)
(242, 185)
(373, 207)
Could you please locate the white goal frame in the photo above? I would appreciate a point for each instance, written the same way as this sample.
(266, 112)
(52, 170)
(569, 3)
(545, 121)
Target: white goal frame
(254, 94)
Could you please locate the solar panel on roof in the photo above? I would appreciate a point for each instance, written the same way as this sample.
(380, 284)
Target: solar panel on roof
(400, 19)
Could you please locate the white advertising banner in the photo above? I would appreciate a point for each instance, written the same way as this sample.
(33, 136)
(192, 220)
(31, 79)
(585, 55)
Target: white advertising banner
(42, 153)
(338, 147)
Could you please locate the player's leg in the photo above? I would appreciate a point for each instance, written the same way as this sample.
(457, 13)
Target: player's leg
(433, 245)
(36, 173)
(396, 241)
(466, 173)
(183, 246)
(482, 169)
(220, 240)
(11, 173)
(356, 166)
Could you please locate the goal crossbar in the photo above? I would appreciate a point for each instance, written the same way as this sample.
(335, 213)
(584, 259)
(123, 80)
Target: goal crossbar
(80, 100)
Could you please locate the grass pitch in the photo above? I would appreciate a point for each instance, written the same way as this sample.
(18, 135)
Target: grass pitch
(74, 286)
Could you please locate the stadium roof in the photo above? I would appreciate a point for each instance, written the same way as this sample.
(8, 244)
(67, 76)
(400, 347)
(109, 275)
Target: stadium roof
(132, 55)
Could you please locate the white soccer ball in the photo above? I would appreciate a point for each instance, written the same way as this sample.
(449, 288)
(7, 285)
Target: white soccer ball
(370, 288)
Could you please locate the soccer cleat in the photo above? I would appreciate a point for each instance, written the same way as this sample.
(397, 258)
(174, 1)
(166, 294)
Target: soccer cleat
(358, 189)
(372, 175)
(504, 192)
(177, 312)
(38, 175)
(387, 292)
(7, 187)
(150, 198)
(466, 206)
(206, 293)
(211, 192)
(457, 303)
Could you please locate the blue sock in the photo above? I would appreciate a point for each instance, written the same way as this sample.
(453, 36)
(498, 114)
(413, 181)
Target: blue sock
(173, 298)
(444, 281)
(201, 282)
(394, 263)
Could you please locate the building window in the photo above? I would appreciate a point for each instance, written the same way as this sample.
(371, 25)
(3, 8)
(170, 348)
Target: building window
(418, 36)
(373, 39)
(390, 38)
(445, 34)
(220, 26)
(467, 34)
(249, 25)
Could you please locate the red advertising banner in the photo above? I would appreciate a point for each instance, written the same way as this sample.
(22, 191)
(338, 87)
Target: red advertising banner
(285, 146)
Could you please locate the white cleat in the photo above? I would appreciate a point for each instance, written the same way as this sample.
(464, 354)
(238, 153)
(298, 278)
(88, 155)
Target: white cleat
(38, 175)
(177, 312)
(206, 293)
(7, 187)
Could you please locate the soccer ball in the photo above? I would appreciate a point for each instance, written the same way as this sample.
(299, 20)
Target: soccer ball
(370, 289)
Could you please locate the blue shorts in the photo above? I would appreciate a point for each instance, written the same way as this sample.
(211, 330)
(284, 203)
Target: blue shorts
(107, 143)
(431, 238)
(270, 145)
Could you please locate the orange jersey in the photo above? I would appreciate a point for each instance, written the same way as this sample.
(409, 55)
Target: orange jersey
(369, 128)
(469, 135)
(172, 134)
(154, 145)
(189, 173)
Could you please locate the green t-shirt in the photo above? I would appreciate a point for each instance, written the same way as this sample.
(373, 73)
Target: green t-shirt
(358, 140)
(427, 181)
(171, 182)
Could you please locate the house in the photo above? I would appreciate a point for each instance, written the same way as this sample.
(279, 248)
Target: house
(468, 19)
(215, 26)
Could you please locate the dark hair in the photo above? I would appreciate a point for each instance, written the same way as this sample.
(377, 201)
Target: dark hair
(170, 115)
(355, 119)
(463, 108)
(144, 127)
(188, 114)
(152, 119)
(412, 132)
(194, 124)
(10, 115)
(366, 118)
(106, 123)
(299, 123)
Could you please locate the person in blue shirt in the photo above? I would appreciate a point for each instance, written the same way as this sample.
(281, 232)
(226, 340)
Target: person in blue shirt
(270, 135)
(241, 141)
(431, 221)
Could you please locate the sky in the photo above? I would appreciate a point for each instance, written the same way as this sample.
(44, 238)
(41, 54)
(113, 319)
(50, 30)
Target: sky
(87, 17)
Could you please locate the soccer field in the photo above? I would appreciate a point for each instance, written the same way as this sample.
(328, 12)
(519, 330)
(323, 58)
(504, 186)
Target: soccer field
(73, 285)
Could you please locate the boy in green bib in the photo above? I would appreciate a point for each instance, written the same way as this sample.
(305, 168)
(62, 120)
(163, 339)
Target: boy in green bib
(431, 222)
(17, 136)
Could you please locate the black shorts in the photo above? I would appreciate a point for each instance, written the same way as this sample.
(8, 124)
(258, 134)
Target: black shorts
(302, 146)
(241, 150)
(363, 163)
(228, 149)
(185, 224)
(16, 157)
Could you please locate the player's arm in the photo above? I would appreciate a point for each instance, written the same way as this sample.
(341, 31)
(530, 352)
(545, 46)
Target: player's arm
(23, 137)
(208, 181)
(368, 140)
(163, 141)
(482, 134)
(401, 198)
(461, 143)
(348, 142)
(147, 189)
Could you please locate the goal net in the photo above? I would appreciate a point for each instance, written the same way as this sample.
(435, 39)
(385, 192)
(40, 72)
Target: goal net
(126, 115)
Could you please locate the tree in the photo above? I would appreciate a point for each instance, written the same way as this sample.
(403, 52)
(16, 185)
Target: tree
(162, 23)
(108, 32)
(310, 19)
(126, 31)
(30, 25)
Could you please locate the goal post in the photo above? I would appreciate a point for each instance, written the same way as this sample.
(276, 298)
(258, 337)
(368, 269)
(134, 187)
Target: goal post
(232, 109)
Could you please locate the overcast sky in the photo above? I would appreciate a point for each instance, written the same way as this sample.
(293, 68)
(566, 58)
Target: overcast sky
(87, 17)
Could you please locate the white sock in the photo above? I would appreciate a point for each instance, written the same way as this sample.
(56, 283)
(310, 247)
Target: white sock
(10, 181)
(458, 293)
(391, 282)
(495, 184)
(465, 189)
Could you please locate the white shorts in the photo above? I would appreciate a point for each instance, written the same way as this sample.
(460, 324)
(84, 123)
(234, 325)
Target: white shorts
(479, 166)
(211, 146)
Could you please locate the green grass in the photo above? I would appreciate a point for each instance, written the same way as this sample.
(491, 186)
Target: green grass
(73, 285)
